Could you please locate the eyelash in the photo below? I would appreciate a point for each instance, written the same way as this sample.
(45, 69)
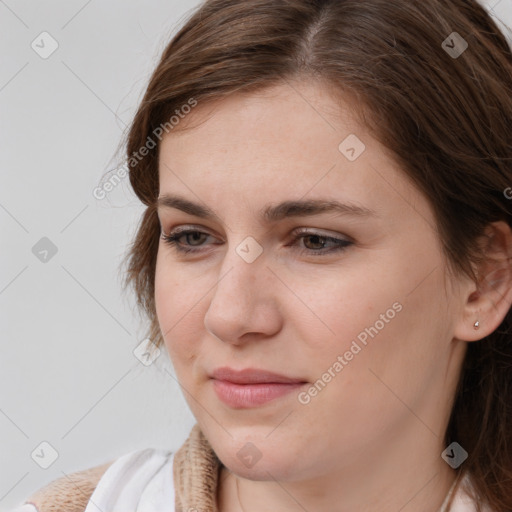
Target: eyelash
(172, 240)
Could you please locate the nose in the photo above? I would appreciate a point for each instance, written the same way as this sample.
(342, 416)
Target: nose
(244, 301)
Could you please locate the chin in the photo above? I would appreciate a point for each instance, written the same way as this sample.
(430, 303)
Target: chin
(277, 467)
(251, 453)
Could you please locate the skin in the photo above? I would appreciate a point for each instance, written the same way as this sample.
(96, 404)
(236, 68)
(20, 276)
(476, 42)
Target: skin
(371, 439)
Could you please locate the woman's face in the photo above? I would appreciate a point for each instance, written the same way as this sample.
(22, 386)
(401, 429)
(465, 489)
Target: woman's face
(348, 303)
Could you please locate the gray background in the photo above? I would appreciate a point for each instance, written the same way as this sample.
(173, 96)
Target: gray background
(68, 374)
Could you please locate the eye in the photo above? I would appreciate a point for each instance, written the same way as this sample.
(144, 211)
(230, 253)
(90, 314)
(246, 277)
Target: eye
(194, 239)
(318, 243)
(173, 239)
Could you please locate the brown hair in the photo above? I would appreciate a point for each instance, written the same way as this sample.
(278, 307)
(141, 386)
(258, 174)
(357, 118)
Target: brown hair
(447, 120)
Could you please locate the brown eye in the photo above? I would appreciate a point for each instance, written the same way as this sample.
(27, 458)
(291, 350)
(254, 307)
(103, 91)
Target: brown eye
(317, 244)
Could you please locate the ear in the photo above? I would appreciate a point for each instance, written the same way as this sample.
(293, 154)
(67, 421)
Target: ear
(489, 300)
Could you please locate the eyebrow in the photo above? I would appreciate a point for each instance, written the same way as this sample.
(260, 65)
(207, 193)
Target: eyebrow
(272, 213)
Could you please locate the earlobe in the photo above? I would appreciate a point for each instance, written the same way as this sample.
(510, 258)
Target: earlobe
(489, 299)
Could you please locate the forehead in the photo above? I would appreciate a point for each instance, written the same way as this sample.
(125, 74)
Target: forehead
(287, 116)
(286, 142)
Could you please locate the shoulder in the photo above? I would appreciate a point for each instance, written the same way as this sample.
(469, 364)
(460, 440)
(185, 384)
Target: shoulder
(466, 499)
(70, 492)
(141, 474)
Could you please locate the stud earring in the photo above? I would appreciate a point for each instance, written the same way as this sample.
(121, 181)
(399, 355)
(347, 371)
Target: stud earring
(477, 324)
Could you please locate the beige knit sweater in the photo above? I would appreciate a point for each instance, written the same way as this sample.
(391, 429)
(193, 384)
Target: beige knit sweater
(196, 472)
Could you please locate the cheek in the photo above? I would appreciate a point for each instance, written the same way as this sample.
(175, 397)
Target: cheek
(339, 309)
(178, 314)
(164, 298)
(405, 339)
(377, 319)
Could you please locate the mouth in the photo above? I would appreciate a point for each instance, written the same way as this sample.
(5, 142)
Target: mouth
(243, 389)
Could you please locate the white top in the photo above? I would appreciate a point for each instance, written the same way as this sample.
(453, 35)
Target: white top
(142, 481)
(139, 481)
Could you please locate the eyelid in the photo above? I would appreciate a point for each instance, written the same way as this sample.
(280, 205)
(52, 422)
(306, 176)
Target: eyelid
(187, 227)
(321, 233)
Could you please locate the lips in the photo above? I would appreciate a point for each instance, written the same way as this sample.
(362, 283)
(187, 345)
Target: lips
(252, 376)
(243, 389)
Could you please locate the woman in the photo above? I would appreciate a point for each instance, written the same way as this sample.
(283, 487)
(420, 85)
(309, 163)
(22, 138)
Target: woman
(325, 255)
